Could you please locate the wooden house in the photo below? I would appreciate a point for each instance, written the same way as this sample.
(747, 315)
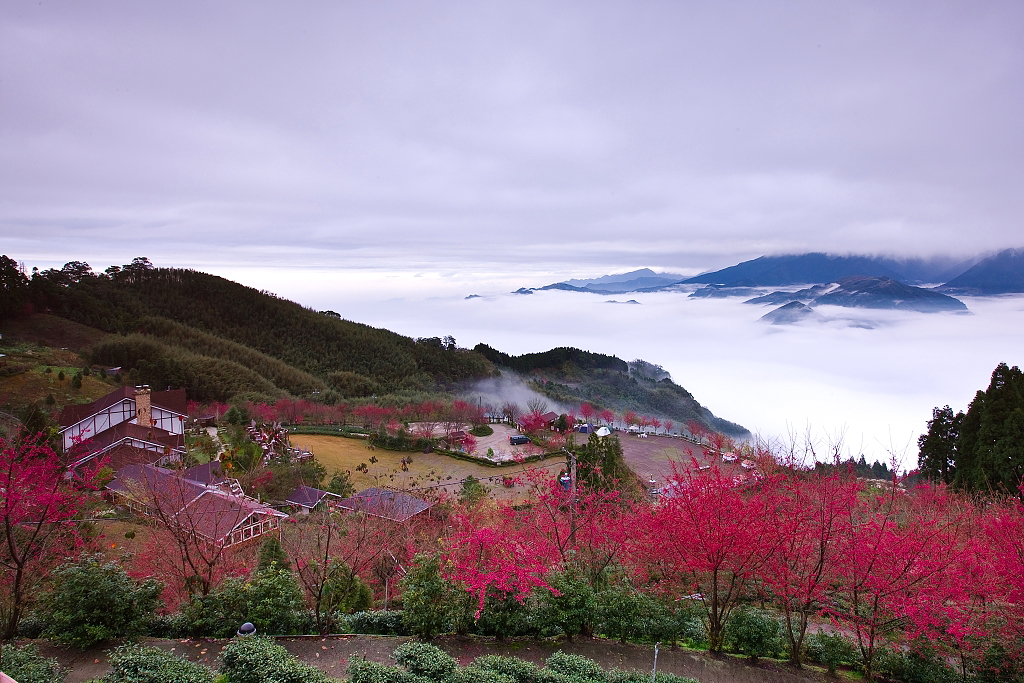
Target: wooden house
(135, 416)
(215, 513)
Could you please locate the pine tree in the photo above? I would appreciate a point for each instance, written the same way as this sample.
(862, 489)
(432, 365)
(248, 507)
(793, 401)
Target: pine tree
(273, 555)
(937, 454)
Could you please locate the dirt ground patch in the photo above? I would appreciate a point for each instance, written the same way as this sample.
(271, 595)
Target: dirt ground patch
(332, 655)
(498, 442)
(656, 455)
(426, 472)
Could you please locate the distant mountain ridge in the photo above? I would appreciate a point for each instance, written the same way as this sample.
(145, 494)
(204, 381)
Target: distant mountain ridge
(999, 274)
(621, 278)
(882, 292)
(819, 268)
(857, 291)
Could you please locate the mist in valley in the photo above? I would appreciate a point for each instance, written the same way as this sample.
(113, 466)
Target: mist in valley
(870, 377)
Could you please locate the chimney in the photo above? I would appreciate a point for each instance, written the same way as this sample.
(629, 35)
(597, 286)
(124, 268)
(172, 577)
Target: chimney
(143, 407)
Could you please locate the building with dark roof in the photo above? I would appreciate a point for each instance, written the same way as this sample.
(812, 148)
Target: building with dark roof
(218, 513)
(394, 505)
(131, 416)
(163, 410)
(306, 498)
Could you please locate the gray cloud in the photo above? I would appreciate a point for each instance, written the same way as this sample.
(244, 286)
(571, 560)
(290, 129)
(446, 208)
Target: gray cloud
(410, 134)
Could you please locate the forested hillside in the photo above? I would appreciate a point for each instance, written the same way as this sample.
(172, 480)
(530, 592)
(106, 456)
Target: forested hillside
(571, 376)
(565, 357)
(218, 338)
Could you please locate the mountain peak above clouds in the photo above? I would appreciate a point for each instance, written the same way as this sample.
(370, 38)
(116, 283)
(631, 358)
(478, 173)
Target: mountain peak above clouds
(812, 268)
(793, 312)
(1002, 273)
(644, 279)
(860, 291)
(863, 291)
(624, 277)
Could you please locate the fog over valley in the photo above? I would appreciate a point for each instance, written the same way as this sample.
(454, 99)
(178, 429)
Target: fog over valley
(873, 375)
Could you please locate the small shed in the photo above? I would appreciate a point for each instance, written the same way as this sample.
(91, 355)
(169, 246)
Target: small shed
(305, 498)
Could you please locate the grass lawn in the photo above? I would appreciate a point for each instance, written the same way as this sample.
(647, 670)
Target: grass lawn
(425, 470)
(35, 383)
(110, 536)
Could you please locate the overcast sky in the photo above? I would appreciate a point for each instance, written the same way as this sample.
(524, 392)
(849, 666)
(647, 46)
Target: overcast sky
(578, 137)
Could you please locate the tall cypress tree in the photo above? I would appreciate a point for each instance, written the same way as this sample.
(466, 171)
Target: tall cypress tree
(938, 447)
(982, 449)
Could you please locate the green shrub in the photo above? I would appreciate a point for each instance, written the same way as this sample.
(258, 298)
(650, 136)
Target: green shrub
(164, 626)
(272, 555)
(831, 649)
(428, 598)
(25, 665)
(92, 602)
(424, 659)
(270, 599)
(616, 676)
(473, 674)
(575, 665)
(341, 484)
(377, 622)
(518, 670)
(754, 633)
(31, 626)
(915, 666)
(570, 608)
(689, 628)
(138, 664)
(996, 664)
(402, 441)
(625, 613)
(473, 491)
(504, 616)
(258, 659)
(344, 591)
(482, 430)
(364, 671)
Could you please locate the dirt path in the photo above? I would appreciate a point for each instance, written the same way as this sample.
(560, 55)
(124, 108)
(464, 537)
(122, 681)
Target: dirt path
(332, 655)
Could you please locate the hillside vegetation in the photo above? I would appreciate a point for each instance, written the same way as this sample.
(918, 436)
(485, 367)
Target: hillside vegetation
(217, 338)
(221, 341)
(571, 376)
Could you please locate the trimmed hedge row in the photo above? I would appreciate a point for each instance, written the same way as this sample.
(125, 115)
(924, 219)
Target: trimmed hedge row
(424, 663)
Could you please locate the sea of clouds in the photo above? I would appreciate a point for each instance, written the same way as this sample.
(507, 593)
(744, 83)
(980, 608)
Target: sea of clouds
(870, 376)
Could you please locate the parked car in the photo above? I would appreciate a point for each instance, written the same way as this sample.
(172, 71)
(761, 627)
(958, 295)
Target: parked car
(518, 440)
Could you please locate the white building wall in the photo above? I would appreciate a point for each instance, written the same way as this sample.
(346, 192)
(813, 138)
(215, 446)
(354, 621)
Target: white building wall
(100, 422)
